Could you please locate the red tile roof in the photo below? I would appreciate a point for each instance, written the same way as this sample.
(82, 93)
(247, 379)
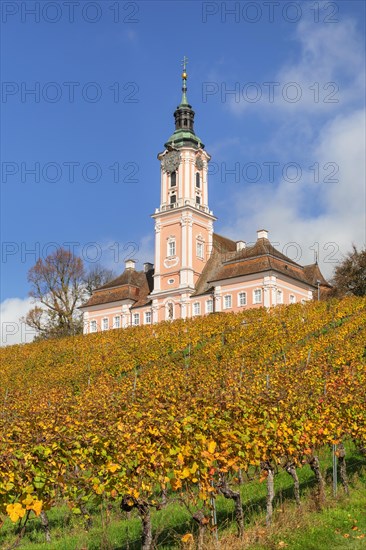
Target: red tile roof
(131, 285)
(260, 257)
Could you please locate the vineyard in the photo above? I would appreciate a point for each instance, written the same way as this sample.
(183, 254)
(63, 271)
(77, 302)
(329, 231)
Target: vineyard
(181, 412)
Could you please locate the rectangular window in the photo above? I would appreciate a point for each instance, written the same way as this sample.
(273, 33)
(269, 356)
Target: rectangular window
(198, 199)
(196, 308)
(173, 179)
(279, 297)
(242, 299)
(105, 324)
(227, 302)
(209, 306)
(147, 317)
(200, 249)
(257, 296)
(171, 248)
(117, 322)
(173, 199)
(93, 326)
(292, 299)
(136, 319)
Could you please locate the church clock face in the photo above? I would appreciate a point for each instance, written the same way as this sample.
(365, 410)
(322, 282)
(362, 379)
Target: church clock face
(171, 161)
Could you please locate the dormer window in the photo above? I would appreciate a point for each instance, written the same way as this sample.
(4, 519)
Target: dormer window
(198, 180)
(173, 179)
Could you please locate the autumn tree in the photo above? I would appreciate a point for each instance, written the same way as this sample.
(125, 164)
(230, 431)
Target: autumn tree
(57, 286)
(350, 275)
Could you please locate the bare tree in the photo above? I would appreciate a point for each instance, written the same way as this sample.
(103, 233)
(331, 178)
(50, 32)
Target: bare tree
(97, 276)
(57, 287)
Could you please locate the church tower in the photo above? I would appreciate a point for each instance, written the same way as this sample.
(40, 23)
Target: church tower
(183, 222)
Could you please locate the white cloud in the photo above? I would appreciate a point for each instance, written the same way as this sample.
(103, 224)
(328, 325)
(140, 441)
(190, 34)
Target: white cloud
(337, 214)
(321, 216)
(327, 74)
(12, 330)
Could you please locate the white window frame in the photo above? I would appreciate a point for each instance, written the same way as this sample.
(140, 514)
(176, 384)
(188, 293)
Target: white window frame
(171, 248)
(118, 323)
(105, 325)
(200, 249)
(255, 300)
(209, 309)
(135, 317)
(228, 298)
(196, 308)
(148, 313)
(239, 299)
(279, 296)
(93, 326)
(292, 299)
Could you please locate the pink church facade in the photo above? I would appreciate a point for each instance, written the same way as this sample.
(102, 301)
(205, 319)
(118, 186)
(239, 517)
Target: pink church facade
(196, 272)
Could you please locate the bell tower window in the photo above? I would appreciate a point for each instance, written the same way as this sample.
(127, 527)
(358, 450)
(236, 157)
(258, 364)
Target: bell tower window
(198, 180)
(173, 179)
(173, 199)
(200, 249)
(198, 199)
(171, 247)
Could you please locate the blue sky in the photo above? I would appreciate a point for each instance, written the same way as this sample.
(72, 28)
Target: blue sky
(278, 91)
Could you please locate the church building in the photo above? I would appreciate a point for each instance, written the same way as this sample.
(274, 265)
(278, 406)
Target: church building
(196, 271)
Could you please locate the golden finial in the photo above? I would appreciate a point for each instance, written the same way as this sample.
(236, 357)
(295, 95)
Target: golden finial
(184, 64)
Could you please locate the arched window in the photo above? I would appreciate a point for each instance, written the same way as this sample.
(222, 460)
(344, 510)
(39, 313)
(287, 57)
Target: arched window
(198, 180)
(173, 179)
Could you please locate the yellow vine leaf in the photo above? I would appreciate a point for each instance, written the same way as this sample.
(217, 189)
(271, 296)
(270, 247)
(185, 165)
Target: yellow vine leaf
(15, 511)
(187, 538)
(211, 447)
(113, 468)
(37, 507)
